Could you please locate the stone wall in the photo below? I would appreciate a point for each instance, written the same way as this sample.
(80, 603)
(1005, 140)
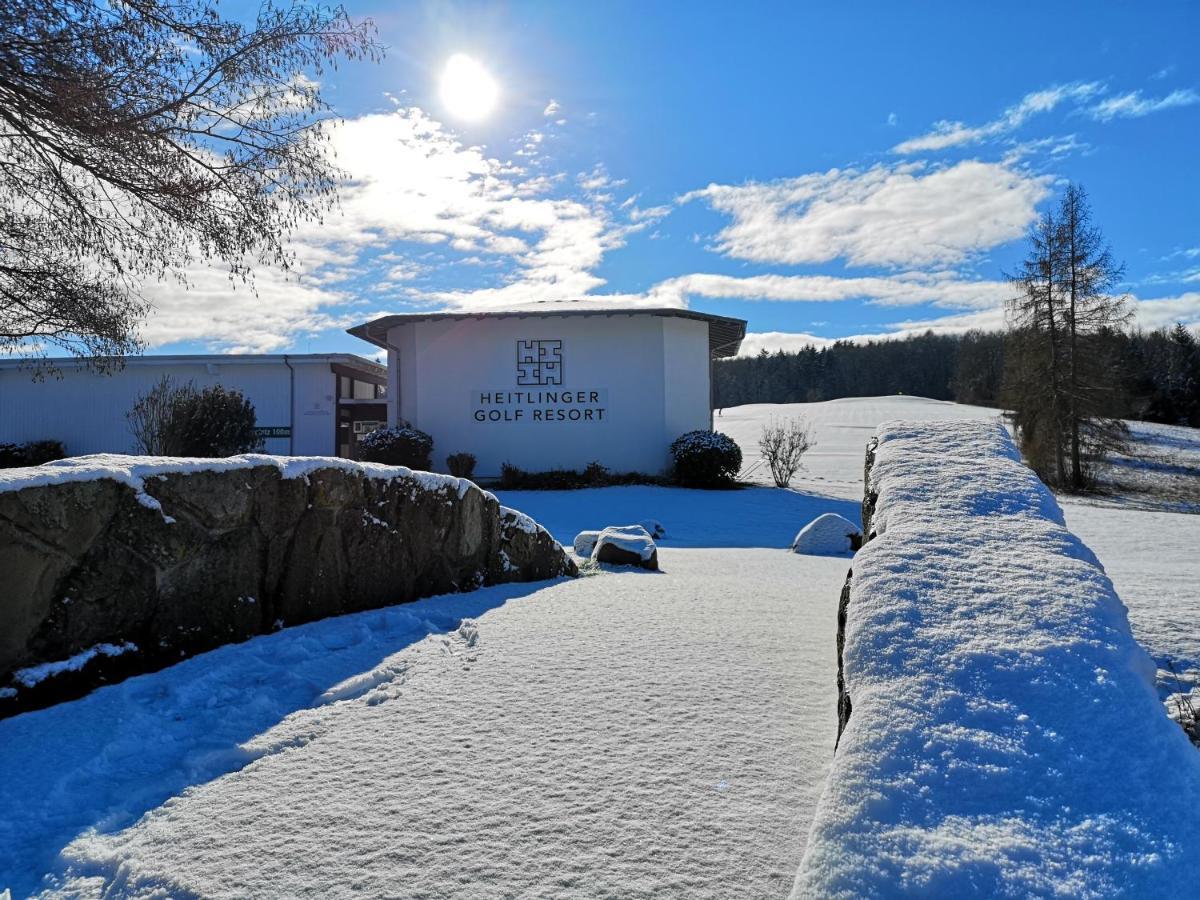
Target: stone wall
(999, 729)
(178, 560)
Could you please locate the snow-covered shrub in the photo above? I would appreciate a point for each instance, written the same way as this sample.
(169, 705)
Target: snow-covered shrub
(705, 459)
(400, 446)
(461, 465)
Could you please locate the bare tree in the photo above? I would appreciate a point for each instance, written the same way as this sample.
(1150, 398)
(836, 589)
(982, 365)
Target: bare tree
(139, 136)
(1089, 275)
(782, 445)
(151, 416)
(1034, 362)
(1059, 380)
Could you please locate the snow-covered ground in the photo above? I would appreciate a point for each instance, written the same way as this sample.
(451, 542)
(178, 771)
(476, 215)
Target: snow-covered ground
(623, 735)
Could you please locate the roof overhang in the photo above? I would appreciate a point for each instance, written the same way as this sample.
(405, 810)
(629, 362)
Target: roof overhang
(725, 334)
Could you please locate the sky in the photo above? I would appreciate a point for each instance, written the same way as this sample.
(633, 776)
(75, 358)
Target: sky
(822, 170)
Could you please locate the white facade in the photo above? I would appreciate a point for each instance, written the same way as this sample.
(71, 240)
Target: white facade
(551, 390)
(299, 399)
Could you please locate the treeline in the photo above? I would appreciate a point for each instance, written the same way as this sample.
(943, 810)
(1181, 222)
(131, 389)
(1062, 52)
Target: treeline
(1157, 372)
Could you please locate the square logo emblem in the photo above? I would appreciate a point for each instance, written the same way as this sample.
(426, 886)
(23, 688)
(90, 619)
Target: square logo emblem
(539, 363)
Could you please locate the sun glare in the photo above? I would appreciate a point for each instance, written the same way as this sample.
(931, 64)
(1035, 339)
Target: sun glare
(468, 89)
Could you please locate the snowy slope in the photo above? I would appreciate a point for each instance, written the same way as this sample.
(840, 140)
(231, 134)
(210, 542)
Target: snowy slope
(1005, 738)
(841, 429)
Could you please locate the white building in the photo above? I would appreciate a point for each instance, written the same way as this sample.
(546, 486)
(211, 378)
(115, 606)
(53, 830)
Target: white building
(551, 389)
(306, 404)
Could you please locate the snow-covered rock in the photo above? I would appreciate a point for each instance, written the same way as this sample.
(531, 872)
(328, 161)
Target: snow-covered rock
(1002, 735)
(827, 535)
(627, 545)
(654, 528)
(585, 543)
(161, 558)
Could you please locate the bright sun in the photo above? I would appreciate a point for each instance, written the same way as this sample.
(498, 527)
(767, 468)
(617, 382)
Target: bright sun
(468, 89)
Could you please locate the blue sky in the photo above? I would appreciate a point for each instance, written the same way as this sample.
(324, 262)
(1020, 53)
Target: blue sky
(821, 170)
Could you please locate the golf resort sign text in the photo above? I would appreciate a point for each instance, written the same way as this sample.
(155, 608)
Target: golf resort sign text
(538, 397)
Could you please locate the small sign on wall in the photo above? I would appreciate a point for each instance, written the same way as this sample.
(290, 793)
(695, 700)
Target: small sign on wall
(366, 426)
(273, 431)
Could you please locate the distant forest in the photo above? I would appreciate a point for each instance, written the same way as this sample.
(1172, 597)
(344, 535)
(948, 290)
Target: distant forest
(1159, 372)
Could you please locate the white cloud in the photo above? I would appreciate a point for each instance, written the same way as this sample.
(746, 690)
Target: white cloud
(551, 109)
(907, 215)
(1152, 313)
(412, 187)
(907, 289)
(773, 341)
(1133, 105)
(1166, 311)
(953, 134)
(237, 317)
(891, 119)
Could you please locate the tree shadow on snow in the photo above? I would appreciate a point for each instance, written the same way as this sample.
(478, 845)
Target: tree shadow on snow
(753, 517)
(99, 763)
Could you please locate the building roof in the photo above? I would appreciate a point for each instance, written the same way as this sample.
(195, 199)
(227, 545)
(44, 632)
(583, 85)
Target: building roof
(351, 360)
(724, 333)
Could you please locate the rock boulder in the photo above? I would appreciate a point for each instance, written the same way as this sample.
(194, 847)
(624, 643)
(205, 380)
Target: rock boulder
(176, 557)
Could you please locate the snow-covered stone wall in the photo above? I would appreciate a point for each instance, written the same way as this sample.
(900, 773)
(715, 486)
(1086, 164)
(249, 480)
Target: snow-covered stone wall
(1001, 735)
(111, 565)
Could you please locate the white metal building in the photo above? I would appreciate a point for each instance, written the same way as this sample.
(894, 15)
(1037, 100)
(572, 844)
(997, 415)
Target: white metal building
(548, 389)
(306, 404)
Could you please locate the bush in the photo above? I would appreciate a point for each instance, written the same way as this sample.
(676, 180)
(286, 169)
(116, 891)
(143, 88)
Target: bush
(400, 446)
(595, 475)
(705, 459)
(33, 453)
(214, 422)
(179, 420)
(461, 465)
(782, 445)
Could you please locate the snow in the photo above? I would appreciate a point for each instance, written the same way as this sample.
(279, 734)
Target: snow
(135, 470)
(630, 538)
(826, 535)
(521, 521)
(616, 735)
(1005, 737)
(613, 735)
(36, 674)
(654, 528)
(584, 543)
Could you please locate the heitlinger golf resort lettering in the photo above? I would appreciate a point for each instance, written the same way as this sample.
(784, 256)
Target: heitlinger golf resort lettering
(539, 406)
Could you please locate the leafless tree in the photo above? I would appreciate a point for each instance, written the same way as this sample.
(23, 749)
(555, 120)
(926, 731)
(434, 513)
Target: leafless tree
(782, 445)
(139, 136)
(1058, 379)
(1089, 307)
(151, 416)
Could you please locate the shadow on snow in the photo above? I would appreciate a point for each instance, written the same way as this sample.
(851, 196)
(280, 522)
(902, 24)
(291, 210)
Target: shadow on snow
(101, 762)
(751, 517)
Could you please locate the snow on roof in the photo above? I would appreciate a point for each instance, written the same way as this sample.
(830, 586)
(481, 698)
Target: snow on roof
(725, 333)
(1005, 735)
(134, 470)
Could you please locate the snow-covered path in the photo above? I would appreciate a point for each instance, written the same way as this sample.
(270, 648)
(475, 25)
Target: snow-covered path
(622, 735)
